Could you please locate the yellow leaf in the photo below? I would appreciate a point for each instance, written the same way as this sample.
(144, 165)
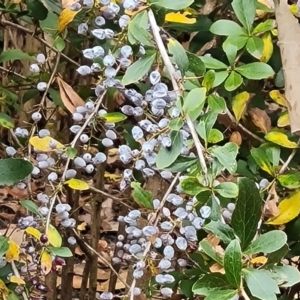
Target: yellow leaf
(46, 262)
(82, 226)
(53, 236)
(279, 98)
(65, 17)
(13, 251)
(239, 104)
(112, 176)
(293, 9)
(288, 209)
(180, 17)
(42, 144)
(267, 47)
(4, 292)
(283, 120)
(17, 280)
(268, 3)
(34, 232)
(77, 184)
(274, 32)
(281, 139)
(259, 260)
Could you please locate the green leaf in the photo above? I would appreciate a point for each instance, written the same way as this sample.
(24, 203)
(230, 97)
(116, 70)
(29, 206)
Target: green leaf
(245, 12)
(275, 257)
(60, 251)
(220, 78)
(14, 169)
(212, 63)
(54, 237)
(215, 136)
(263, 27)
(222, 231)
(182, 163)
(114, 117)
(227, 189)
(140, 195)
(247, 212)
(167, 156)
(4, 245)
(206, 247)
(138, 69)
(231, 52)
(261, 159)
(178, 54)
(59, 43)
(208, 79)
(260, 284)
(194, 100)
(239, 41)
(221, 294)
(37, 9)
(209, 282)
(226, 156)
(171, 4)
(255, 46)
(268, 242)
(233, 263)
(14, 54)
(290, 180)
(175, 124)
(226, 27)
(30, 206)
(256, 70)
(191, 186)
(6, 121)
(216, 103)
(55, 97)
(286, 276)
(12, 296)
(186, 286)
(71, 152)
(233, 81)
(196, 65)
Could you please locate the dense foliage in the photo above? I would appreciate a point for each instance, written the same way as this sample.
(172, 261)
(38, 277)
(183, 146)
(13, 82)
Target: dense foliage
(173, 109)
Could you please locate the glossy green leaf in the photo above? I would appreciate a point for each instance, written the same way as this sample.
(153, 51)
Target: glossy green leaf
(194, 100)
(178, 55)
(286, 276)
(212, 63)
(222, 231)
(4, 245)
(167, 156)
(290, 180)
(233, 81)
(114, 117)
(37, 9)
(138, 69)
(220, 77)
(226, 27)
(71, 152)
(30, 206)
(265, 26)
(255, 46)
(233, 263)
(230, 51)
(208, 79)
(6, 121)
(255, 70)
(216, 103)
(60, 251)
(247, 212)
(206, 247)
(227, 189)
(239, 41)
(245, 12)
(140, 195)
(14, 169)
(191, 186)
(261, 159)
(14, 54)
(171, 4)
(59, 43)
(182, 163)
(196, 65)
(260, 284)
(221, 294)
(226, 155)
(268, 242)
(215, 136)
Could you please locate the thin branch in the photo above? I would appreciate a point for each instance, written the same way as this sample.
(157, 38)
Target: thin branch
(12, 72)
(286, 164)
(19, 27)
(17, 274)
(154, 221)
(171, 70)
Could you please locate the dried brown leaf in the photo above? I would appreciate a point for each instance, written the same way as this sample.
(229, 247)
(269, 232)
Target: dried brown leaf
(68, 96)
(289, 44)
(260, 118)
(271, 208)
(236, 138)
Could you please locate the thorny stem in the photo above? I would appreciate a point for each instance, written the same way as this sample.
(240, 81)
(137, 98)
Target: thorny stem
(171, 70)
(154, 221)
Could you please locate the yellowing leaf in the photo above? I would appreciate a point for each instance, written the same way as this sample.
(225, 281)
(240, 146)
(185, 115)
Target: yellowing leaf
(34, 232)
(65, 17)
(13, 251)
(259, 260)
(180, 17)
(293, 9)
(288, 208)
(268, 3)
(132, 13)
(82, 226)
(42, 144)
(77, 184)
(281, 139)
(46, 262)
(283, 119)
(53, 236)
(112, 176)
(278, 98)
(17, 280)
(239, 104)
(3, 289)
(267, 47)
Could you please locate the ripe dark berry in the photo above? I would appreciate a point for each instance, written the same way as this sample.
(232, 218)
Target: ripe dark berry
(44, 239)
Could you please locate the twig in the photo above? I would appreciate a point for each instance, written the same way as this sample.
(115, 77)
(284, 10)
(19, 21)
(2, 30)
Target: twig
(17, 274)
(12, 72)
(154, 221)
(101, 258)
(171, 70)
(286, 164)
(17, 26)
